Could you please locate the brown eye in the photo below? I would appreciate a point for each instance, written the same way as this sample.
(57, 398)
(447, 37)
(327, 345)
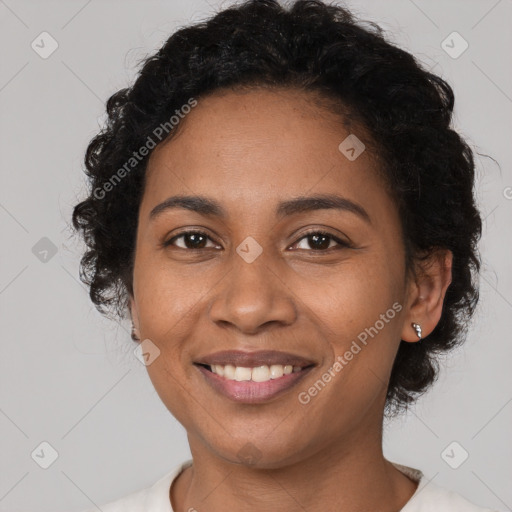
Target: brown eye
(190, 240)
(321, 241)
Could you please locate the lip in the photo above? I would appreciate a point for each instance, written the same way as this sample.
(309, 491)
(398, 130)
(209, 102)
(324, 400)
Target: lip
(253, 359)
(250, 392)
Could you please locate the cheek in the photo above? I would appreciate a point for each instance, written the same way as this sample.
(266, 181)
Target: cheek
(172, 389)
(168, 305)
(167, 297)
(358, 310)
(359, 313)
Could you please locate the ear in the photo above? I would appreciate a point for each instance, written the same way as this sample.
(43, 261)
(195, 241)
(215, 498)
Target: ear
(427, 290)
(134, 313)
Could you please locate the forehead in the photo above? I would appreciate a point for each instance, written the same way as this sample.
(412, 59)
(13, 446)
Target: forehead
(253, 147)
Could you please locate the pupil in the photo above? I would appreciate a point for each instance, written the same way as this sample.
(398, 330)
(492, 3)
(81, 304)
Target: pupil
(322, 244)
(195, 238)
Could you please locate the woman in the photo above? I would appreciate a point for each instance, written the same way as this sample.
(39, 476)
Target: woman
(281, 206)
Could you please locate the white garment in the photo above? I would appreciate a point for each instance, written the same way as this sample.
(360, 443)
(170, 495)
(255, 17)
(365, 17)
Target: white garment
(428, 497)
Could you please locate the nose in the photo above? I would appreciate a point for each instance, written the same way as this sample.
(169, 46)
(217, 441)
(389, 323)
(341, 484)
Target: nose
(252, 298)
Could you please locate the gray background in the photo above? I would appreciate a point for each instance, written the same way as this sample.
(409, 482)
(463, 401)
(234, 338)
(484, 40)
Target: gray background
(69, 377)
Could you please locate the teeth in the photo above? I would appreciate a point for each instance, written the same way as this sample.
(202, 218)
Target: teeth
(258, 374)
(242, 373)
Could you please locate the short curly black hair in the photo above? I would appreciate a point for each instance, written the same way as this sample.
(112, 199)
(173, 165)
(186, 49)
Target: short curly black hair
(316, 47)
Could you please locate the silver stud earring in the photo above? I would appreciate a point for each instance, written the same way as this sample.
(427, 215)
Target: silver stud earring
(417, 328)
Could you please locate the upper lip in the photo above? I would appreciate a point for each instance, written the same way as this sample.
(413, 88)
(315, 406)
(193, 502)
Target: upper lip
(253, 359)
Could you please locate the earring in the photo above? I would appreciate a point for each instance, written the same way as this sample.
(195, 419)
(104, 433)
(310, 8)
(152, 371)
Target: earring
(417, 328)
(134, 335)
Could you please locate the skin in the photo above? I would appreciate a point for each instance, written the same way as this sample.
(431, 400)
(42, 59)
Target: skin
(249, 151)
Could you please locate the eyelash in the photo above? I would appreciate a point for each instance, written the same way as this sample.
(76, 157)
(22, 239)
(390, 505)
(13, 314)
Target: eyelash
(341, 243)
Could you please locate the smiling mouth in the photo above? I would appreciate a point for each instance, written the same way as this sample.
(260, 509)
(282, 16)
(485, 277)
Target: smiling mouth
(252, 385)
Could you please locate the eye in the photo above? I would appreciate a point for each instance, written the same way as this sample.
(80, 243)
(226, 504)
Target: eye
(190, 240)
(321, 241)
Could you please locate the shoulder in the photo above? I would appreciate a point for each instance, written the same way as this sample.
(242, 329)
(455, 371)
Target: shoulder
(154, 498)
(430, 497)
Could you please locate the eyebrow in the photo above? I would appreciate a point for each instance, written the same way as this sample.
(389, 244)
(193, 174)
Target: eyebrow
(302, 204)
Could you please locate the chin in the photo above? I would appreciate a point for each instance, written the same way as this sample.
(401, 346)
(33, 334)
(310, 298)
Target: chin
(261, 453)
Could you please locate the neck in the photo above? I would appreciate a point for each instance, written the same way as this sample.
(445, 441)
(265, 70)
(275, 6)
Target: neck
(351, 473)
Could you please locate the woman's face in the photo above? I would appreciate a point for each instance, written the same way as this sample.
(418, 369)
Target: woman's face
(254, 280)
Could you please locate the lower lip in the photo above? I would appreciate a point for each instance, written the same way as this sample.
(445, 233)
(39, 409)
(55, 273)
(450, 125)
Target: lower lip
(249, 392)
